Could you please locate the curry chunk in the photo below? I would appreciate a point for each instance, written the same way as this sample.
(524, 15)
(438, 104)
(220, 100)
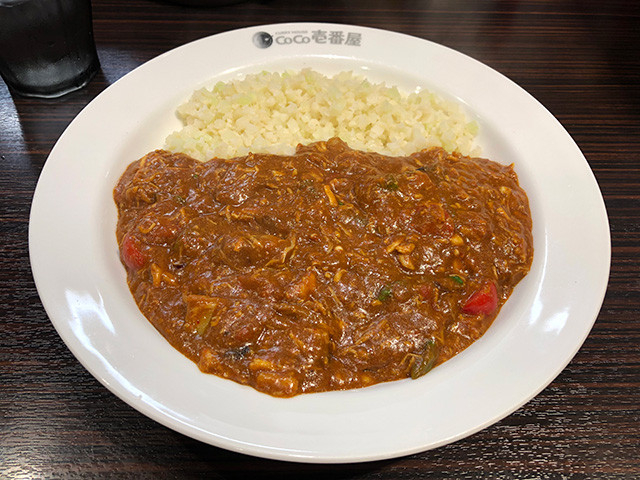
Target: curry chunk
(329, 269)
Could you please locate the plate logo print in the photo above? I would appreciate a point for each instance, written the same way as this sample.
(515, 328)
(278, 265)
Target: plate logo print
(302, 37)
(262, 40)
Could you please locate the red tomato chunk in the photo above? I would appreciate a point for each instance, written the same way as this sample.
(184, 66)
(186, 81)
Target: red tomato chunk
(132, 256)
(483, 301)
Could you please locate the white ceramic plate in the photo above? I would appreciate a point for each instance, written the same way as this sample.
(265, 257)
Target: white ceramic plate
(82, 284)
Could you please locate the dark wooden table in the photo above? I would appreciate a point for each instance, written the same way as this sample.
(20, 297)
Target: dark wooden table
(581, 59)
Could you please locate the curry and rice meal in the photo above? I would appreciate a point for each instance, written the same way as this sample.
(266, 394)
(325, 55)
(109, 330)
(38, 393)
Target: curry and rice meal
(324, 268)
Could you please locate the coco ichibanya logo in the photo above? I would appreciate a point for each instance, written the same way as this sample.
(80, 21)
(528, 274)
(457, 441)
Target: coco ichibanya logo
(331, 37)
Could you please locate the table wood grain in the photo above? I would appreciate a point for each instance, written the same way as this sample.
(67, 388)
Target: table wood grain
(581, 59)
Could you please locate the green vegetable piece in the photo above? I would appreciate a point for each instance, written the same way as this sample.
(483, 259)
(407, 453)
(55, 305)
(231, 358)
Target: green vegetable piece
(385, 294)
(426, 361)
(457, 279)
(391, 184)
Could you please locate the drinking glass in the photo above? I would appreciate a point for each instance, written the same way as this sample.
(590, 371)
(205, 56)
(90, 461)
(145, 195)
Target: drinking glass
(46, 46)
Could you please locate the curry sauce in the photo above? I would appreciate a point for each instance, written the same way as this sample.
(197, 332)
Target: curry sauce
(329, 269)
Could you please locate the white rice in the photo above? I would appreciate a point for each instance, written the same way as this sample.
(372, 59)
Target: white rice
(272, 112)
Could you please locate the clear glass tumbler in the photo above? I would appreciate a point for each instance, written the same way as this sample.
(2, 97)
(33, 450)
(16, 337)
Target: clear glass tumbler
(46, 46)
